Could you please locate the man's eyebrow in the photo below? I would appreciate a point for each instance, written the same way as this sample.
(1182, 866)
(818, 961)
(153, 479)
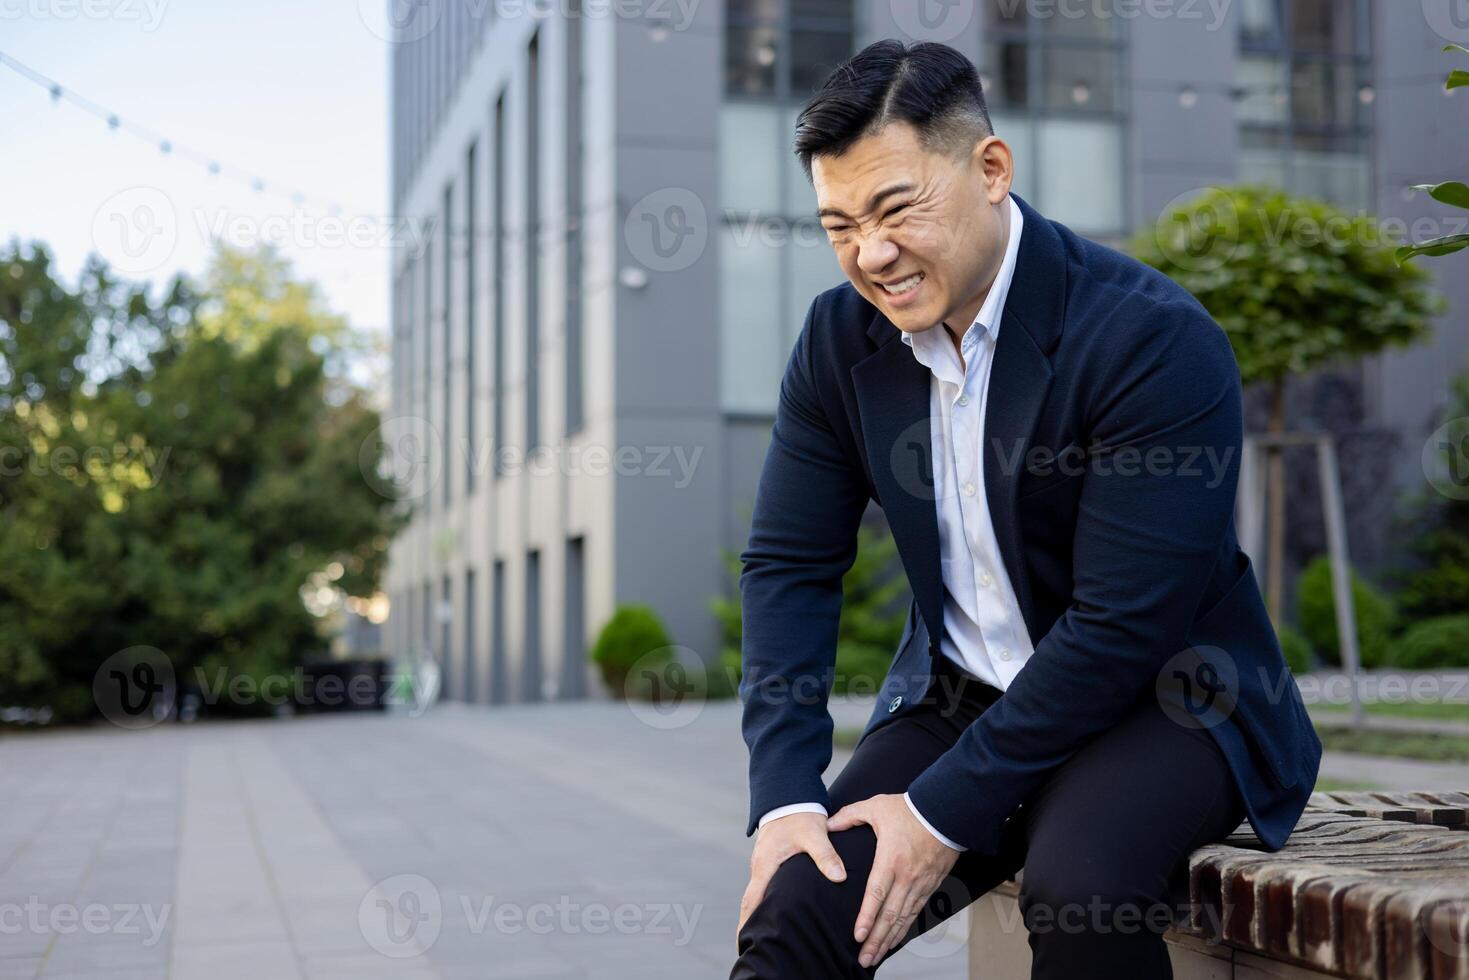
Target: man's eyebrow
(877, 199)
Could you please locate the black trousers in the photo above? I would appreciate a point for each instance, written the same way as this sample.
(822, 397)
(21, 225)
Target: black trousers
(1104, 844)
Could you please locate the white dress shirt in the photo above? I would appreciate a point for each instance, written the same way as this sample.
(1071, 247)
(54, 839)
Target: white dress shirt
(983, 629)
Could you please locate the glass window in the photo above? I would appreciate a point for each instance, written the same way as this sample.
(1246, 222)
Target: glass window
(1325, 93)
(749, 60)
(800, 201)
(751, 144)
(1016, 131)
(1257, 166)
(1076, 20)
(1323, 25)
(752, 347)
(1304, 100)
(1262, 93)
(1081, 173)
(1006, 16)
(1260, 22)
(1080, 79)
(1006, 79)
(767, 10)
(829, 9)
(814, 269)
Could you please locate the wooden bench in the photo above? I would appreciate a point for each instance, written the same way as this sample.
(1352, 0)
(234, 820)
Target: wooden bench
(1370, 885)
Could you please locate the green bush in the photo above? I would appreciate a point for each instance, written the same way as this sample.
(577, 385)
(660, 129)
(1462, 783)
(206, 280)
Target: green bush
(633, 637)
(1316, 610)
(1296, 648)
(1439, 642)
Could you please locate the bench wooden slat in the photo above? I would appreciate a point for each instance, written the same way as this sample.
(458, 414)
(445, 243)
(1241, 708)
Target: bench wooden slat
(1350, 895)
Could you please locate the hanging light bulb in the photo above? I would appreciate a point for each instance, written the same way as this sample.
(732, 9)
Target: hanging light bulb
(1187, 97)
(1081, 93)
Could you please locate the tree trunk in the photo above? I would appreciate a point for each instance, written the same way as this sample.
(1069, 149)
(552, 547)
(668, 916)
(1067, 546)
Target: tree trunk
(1275, 496)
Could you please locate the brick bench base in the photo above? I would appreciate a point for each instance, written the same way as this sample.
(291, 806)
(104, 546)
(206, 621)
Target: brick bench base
(1370, 886)
(1000, 951)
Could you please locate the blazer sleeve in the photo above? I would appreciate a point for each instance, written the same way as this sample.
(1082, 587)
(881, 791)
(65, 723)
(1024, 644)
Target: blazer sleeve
(1147, 537)
(803, 538)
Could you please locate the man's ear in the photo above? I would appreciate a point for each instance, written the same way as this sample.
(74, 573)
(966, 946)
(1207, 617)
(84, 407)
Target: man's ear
(992, 158)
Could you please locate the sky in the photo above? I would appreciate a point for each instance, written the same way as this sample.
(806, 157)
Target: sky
(291, 93)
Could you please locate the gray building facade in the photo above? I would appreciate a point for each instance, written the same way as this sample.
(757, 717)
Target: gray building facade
(607, 250)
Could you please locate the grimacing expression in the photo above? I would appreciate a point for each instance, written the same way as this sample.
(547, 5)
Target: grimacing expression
(920, 234)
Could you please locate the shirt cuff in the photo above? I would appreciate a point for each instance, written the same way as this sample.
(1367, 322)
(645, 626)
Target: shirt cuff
(929, 827)
(782, 811)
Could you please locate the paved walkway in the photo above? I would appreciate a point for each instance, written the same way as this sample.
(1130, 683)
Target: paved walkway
(548, 841)
(537, 842)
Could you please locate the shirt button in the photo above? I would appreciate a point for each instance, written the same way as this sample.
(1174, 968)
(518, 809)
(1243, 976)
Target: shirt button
(895, 704)
(984, 578)
(963, 399)
(969, 489)
(1004, 654)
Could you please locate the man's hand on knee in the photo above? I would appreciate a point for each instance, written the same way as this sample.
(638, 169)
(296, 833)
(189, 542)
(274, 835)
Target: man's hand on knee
(908, 867)
(782, 838)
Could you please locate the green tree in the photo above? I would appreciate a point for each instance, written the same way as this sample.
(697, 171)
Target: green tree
(1295, 284)
(176, 470)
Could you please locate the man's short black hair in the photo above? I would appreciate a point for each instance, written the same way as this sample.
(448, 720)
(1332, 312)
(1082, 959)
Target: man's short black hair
(931, 86)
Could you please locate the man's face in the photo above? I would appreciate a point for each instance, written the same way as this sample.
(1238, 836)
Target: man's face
(920, 234)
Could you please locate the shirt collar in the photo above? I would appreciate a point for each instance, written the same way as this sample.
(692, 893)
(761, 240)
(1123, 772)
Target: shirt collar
(987, 320)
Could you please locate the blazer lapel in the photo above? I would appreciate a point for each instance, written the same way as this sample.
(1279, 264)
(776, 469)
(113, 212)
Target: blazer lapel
(1020, 380)
(893, 391)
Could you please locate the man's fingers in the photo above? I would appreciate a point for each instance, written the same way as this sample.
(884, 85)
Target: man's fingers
(827, 859)
(754, 892)
(900, 928)
(847, 817)
(884, 924)
(879, 886)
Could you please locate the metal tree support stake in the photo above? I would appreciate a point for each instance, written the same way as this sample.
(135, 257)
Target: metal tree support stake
(1250, 518)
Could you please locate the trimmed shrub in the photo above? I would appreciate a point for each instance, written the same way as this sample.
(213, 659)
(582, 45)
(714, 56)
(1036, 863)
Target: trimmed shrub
(1439, 642)
(633, 637)
(1316, 612)
(1296, 648)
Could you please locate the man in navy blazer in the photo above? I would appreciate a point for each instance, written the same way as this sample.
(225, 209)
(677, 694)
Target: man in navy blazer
(1088, 685)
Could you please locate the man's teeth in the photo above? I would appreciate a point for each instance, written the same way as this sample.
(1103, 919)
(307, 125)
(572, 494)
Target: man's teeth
(897, 289)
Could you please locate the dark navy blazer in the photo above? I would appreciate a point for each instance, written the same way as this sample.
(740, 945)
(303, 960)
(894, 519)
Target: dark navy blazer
(1111, 451)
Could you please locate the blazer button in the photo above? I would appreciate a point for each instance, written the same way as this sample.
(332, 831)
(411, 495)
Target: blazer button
(895, 704)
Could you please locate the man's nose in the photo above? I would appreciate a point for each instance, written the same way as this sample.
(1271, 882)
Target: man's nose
(875, 253)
